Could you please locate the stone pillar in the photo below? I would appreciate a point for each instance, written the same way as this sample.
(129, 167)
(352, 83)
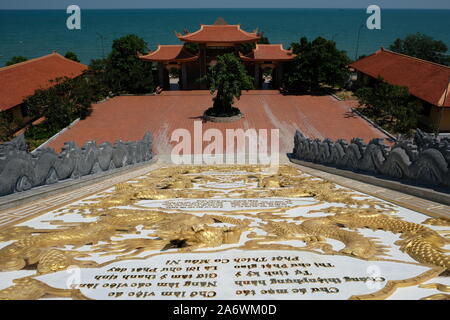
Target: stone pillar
(279, 70)
(166, 79)
(161, 74)
(257, 76)
(203, 65)
(184, 79)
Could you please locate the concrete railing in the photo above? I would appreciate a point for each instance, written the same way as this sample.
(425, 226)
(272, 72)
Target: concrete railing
(424, 160)
(21, 170)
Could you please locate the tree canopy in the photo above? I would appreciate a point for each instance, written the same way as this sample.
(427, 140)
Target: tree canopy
(246, 48)
(72, 56)
(64, 102)
(15, 59)
(391, 106)
(423, 47)
(126, 72)
(227, 78)
(317, 62)
(69, 99)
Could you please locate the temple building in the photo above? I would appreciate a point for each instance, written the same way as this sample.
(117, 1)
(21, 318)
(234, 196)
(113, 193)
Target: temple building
(21, 80)
(427, 81)
(192, 59)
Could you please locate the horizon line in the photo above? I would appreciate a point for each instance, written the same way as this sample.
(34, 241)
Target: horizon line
(218, 8)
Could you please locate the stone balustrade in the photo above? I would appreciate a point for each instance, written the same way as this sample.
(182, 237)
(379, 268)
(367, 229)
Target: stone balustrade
(423, 160)
(21, 170)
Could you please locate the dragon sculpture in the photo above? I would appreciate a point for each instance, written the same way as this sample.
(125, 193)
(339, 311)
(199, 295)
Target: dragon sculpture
(114, 214)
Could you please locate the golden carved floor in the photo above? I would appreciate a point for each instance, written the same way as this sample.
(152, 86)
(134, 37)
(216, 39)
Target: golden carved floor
(228, 232)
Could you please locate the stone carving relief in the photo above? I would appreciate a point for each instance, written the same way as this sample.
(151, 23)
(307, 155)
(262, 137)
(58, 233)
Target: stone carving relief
(425, 159)
(21, 170)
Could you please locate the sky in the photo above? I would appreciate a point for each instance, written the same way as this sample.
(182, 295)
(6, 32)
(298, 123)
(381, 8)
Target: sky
(113, 4)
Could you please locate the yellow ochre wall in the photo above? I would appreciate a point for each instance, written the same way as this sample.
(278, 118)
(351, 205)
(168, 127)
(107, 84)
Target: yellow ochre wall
(441, 115)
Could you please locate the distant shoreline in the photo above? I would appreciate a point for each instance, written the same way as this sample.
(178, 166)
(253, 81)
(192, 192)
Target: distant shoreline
(265, 8)
(34, 33)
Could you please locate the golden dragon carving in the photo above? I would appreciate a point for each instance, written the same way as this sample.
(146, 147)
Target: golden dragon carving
(119, 212)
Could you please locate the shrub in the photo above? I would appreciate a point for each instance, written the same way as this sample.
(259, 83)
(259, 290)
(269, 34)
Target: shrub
(391, 106)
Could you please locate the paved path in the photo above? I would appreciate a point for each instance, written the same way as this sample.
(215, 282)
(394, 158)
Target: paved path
(129, 117)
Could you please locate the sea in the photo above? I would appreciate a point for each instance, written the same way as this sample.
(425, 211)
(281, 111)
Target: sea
(33, 33)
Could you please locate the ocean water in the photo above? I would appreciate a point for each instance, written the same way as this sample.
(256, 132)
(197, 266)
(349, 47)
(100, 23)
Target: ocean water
(39, 32)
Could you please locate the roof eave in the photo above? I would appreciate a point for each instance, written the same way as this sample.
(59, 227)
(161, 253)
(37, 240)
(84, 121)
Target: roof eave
(217, 41)
(191, 59)
(262, 60)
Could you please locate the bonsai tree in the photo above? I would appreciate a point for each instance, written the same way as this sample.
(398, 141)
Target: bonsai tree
(227, 78)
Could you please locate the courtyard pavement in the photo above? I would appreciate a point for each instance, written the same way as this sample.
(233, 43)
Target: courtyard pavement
(129, 117)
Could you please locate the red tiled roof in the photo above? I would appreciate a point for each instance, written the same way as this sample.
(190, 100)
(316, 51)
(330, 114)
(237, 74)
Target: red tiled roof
(169, 53)
(22, 79)
(269, 52)
(219, 34)
(425, 80)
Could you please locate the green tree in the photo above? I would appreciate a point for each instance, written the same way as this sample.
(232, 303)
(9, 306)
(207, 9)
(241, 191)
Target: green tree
(15, 59)
(7, 126)
(72, 56)
(67, 100)
(98, 68)
(192, 47)
(391, 106)
(100, 78)
(423, 47)
(227, 78)
(128, 73)
(317, 62)
(263, 39)
(247, 48)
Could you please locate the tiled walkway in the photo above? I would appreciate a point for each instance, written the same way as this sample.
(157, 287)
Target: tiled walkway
(129, 117)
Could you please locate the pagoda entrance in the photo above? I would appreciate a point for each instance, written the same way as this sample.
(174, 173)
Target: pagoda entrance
(175, 76)
(174, 71)
(268, 75)
(181, 66)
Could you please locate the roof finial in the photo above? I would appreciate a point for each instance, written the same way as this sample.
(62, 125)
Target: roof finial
(220, 22)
